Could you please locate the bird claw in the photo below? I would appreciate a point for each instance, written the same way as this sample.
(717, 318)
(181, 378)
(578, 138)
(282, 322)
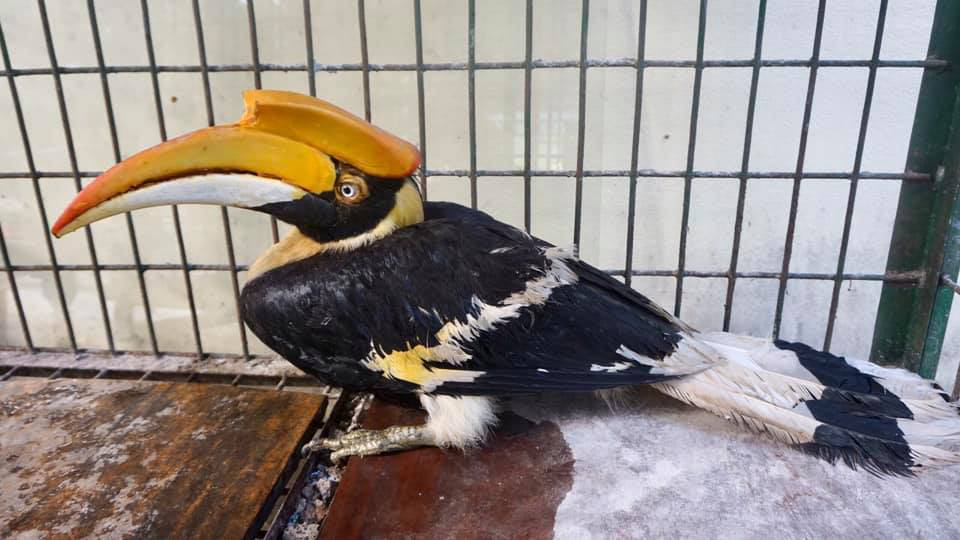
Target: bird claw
(366, 442)
(315, 445)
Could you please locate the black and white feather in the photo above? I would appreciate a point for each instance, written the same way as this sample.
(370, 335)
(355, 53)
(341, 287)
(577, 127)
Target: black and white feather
(467, 307)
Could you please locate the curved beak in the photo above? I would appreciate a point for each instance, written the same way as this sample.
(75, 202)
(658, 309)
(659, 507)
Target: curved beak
(278, 152)
(231, 166)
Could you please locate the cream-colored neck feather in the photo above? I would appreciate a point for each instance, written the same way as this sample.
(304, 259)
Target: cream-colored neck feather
(296, 246)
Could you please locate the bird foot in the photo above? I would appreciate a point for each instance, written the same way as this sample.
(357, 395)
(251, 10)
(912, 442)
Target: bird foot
(366, 442)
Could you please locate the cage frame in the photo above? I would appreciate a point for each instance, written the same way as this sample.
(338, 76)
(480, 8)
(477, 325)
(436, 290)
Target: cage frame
(920, 279)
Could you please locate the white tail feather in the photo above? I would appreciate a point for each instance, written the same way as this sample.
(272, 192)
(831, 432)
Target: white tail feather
(775, 374)
(766, 389)
(759, 416)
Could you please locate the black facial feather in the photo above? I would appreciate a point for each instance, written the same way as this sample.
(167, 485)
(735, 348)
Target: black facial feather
(311, 211)
(325, 219)
(352, 220)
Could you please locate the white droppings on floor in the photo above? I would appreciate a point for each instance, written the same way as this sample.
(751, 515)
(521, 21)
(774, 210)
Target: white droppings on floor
(662, 469)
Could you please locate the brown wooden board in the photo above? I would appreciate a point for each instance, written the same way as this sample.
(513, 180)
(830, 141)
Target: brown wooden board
(122, 459)
(509, 489)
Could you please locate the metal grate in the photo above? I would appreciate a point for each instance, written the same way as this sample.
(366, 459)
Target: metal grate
(583, 64)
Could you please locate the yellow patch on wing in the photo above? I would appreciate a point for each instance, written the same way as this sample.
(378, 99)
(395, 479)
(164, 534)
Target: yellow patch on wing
(409, 366)
(446, 332)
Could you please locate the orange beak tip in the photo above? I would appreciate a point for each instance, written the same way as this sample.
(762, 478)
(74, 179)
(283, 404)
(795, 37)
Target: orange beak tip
(69, 214)
(57, 227)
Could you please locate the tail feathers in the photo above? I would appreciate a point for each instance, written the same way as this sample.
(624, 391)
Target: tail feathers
(828, 407)
(778, 369)
(804, 362)
(906, 384)
(874, 455)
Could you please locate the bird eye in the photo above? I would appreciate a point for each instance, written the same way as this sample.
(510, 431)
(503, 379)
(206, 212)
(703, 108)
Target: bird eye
(351, 189)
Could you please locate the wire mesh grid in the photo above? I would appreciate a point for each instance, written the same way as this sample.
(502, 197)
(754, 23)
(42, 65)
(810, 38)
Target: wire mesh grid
(584, 65)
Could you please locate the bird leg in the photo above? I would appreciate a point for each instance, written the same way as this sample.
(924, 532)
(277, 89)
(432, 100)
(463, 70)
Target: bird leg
(368, 442)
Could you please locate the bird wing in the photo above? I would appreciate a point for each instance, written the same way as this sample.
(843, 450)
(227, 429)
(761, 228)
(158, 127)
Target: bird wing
(490, 310)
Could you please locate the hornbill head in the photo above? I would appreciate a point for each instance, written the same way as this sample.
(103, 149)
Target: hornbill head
(313, 165)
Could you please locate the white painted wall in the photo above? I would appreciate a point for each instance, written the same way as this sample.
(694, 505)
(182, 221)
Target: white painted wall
(671, 34)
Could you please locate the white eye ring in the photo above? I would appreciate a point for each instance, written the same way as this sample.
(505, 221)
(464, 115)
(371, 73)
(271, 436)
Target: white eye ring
(348, 191)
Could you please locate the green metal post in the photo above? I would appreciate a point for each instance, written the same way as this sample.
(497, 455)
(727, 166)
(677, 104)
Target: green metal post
(943, 301)
(906, 316)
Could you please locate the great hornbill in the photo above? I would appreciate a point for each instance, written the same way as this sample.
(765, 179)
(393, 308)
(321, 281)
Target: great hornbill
(374, 290)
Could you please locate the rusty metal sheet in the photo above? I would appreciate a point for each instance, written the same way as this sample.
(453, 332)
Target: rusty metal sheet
(122, 459)
(509, 489)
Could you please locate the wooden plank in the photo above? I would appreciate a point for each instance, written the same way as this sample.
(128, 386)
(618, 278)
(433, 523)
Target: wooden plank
(122, 459)
(509, 489)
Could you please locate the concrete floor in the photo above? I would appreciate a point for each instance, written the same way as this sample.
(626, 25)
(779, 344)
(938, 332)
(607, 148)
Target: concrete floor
(657, 468)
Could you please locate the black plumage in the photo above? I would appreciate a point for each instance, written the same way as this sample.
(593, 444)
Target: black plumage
(326, 312)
